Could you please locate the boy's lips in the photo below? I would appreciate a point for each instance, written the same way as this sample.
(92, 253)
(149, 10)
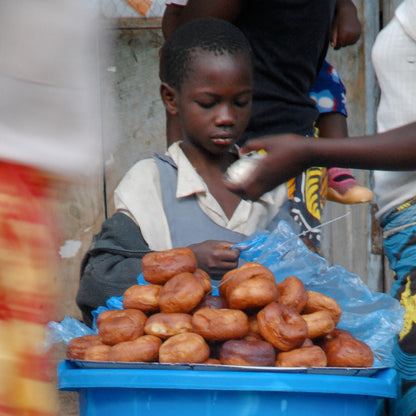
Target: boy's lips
(223, 140)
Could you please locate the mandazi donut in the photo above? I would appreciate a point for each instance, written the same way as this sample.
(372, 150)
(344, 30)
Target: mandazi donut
(312, 356)
(292, 292)
(282, 326)
(182, 293)
(184, 348)
(116, 326)
(242, 352)
(159, 266)
(220, 324)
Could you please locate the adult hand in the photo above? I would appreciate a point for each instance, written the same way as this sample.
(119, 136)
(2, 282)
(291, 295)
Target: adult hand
(287, 157)
(216, 257)
(346, 29)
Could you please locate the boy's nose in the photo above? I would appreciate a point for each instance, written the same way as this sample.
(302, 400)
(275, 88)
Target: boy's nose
(225, 115)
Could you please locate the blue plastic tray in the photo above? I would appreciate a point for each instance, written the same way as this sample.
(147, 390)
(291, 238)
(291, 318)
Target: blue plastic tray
(111, 391)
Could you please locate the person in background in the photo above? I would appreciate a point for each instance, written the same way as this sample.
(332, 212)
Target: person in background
(283, 78)
(394, 61)
(392, 153)
(329, 93)
(178, 199)
(47, 137)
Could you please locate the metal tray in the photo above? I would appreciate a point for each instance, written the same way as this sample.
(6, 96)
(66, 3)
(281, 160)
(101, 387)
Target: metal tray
(344, 371)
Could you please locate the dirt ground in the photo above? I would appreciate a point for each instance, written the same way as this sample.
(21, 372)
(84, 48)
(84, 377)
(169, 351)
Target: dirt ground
(68, 403)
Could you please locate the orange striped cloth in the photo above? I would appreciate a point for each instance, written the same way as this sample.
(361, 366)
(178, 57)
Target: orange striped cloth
(28, 299)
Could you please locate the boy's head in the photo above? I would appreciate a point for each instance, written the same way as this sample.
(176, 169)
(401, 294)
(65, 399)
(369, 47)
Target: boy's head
(206, 34)
(207, 84)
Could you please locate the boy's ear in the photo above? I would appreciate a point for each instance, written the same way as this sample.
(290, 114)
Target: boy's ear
(168, 95)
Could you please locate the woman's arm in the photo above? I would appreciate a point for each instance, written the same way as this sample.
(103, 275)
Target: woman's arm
(346, 28)
(288, 155)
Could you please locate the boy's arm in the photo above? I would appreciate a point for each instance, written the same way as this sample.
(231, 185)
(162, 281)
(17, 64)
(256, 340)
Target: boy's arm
(176, 16)
(111, 265)
(289, 155)
(346, 29)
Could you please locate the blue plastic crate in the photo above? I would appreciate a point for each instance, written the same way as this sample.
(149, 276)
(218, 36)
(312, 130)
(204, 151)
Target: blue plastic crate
(131, 392)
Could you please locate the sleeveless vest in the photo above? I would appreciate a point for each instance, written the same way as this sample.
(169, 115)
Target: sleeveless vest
(188, 224)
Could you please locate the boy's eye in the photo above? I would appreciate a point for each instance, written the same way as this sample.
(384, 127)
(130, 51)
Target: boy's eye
(206, 103)
(242, 102)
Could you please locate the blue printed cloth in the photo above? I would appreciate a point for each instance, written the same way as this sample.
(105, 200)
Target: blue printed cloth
(400, 247)
(328, 92)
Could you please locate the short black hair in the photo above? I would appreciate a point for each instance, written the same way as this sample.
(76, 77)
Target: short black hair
(205, 34)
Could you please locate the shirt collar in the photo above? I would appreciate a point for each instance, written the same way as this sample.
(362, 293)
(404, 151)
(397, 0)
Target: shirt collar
(189, 181)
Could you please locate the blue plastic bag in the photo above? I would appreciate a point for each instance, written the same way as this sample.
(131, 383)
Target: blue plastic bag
(65, 330)
(375, 318)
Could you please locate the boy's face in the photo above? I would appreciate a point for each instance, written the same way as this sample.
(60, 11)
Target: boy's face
(214, 101)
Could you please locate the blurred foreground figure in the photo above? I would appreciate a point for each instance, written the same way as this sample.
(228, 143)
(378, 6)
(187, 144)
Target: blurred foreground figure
(47, 137)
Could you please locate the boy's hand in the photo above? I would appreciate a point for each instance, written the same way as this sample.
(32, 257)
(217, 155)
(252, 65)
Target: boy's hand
(346, 29)
(215, 257)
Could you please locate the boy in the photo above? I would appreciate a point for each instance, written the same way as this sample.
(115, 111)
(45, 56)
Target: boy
(283, 78)
(179, 199)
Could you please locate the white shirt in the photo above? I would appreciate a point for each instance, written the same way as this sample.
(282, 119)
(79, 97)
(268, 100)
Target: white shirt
(139, 196)
(394, 60)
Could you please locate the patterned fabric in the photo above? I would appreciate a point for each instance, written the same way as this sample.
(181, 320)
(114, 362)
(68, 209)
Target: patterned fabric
(307, 193)
(306, 201)
(27, 295)
(328, 92)
(307, 197)
(400, 247)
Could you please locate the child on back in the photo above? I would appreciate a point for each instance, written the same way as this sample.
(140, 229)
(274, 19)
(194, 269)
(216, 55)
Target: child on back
(179, 199)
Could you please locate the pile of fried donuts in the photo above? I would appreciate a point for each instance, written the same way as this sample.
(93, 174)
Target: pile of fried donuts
(254, 321)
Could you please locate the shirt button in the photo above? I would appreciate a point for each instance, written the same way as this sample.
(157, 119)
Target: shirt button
(411, 59)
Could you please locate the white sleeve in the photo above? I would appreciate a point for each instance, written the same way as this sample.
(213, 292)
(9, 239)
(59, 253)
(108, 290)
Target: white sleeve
(139, 196)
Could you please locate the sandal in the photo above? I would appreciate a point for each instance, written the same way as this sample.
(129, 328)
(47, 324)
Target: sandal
(344, 189)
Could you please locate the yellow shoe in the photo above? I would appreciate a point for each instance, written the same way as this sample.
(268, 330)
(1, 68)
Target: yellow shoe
(344, 189)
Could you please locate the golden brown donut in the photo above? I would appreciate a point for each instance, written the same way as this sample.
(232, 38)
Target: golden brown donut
(247, 353)
(312, 356)
(204, 279)
(292, 292)
(282, 326)
(77, 346)
(220, 324)
(247, 271)
(212, 302)
(165, 325)
(142, 349)
(143, 297)
(182, 293)
(184, 348)
(97, 353)
(319, 323)
(116, 326)
(319, 302)
(159, 266)
(255, 292)
(342, 349)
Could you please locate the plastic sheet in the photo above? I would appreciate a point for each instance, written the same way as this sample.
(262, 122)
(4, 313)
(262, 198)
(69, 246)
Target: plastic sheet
(375, 318)
(372, 317)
